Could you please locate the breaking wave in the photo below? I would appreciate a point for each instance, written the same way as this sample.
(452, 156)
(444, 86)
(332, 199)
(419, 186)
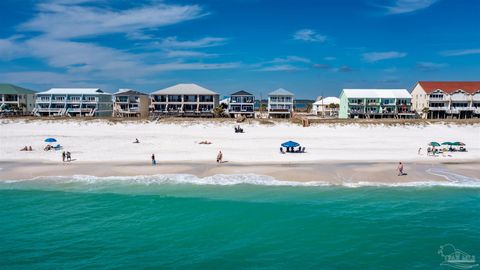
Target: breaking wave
(451, 180)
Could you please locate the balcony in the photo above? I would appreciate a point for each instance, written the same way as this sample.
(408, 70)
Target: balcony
(356, 104)
(279, 110)
(460, 98)
(42, 100)
(443, 98)
(464, 108)
(438, 108)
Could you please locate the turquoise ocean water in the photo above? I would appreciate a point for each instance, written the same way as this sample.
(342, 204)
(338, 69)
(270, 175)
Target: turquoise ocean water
(180, 222)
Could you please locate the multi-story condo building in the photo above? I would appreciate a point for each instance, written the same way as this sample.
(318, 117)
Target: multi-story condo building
(130, 103)
(73, 102)
(280, 104)
(447, 99)
(241, 103)
(375, 103)
(16, 99)
(184, 100)
(326, 107)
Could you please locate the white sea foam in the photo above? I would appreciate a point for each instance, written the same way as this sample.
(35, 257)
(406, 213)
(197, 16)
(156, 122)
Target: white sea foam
(451, 180)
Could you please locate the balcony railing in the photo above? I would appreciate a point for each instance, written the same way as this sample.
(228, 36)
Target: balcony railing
(462, 98)
(444, 98)
(438, 108)
(463, 108)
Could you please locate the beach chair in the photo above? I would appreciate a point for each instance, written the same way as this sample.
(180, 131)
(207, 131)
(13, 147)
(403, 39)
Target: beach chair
(57, 147)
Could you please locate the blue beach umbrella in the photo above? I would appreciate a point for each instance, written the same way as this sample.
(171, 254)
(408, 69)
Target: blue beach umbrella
(290, 144)
(50, 140)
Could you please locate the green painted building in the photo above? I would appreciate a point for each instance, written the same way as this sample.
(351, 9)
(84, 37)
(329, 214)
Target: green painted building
(16, 99)
(375, 103)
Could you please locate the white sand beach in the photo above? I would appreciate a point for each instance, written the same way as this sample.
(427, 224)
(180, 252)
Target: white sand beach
(177, 143)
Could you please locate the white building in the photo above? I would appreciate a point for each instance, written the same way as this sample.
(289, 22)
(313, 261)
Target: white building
(73, 102)
(184, 100)
(280, 104)
(447, 99)
(326, 107)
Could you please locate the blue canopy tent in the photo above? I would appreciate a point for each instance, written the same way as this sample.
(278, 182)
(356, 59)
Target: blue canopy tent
(290, 144)
(49, 140)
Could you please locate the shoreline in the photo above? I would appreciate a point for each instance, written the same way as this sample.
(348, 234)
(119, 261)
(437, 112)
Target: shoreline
(334, 173)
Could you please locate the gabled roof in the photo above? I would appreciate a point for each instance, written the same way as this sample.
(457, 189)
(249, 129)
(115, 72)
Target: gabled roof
(450, 87)
(185, 89)
(281, 92)
(376, 93)
(74, 91)
(10, 89)
(129, 92)
(241, 93)
(327, 101)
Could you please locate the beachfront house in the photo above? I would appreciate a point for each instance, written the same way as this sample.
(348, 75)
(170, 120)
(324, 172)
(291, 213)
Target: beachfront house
(130, 103)
(326, 107)
(439, 100)
(15, 99)
(73, 102)
(184, 100)
(280, 104)
(375, 103)
(241, 103)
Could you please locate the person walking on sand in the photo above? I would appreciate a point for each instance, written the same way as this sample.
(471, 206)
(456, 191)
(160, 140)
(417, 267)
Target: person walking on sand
(400, 169)
(69, 156)
(419, 151)
(63, 156)
(154, 162)
(219, 157)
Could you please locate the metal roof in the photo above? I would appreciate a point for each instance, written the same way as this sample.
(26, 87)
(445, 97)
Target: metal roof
(376, 93)
(185, 89)
(281, 92)
(241, 93)
(10, 89)
(129, 92)
(74, 91)
(327, 101)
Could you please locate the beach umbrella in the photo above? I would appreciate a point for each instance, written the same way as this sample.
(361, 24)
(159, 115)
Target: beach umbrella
(446, 143)
(290, 144)
(436, 144)
(50, 140)
(458, 143)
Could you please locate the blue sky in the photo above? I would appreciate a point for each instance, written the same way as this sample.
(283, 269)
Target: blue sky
(313, 47)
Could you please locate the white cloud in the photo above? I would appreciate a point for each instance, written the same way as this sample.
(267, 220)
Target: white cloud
(9, 48)
(187, 54)
(461, 52)
(59, 20)
(279, 68)
(173, 42)
(378, 56)
(290, 59)
(429, 66)
(407, 6)
(309, 35)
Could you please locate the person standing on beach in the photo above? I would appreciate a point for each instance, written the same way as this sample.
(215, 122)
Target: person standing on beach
(154, 162)
(400, 169)
(63, 156)
(420, 151)
(69, 156)
(219, 157)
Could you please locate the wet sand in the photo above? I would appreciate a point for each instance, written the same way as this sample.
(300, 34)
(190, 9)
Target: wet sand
(333, 172)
